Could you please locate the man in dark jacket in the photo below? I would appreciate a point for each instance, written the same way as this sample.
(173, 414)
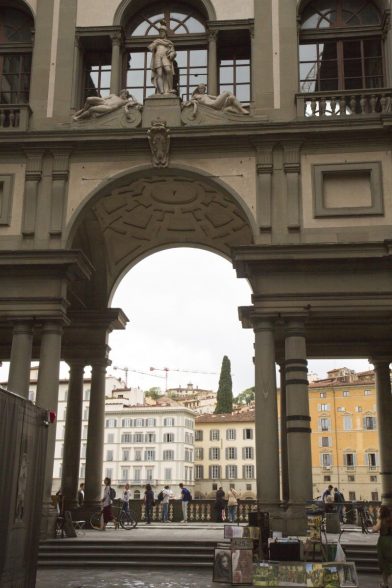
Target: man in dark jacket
(219, 505)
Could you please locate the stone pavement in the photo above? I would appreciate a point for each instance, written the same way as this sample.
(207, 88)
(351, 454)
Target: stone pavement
(152, 578)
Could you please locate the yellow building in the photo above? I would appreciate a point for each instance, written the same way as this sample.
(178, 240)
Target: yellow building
(345, 447)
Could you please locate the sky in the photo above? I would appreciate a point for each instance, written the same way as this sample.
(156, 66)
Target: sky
(182, 305)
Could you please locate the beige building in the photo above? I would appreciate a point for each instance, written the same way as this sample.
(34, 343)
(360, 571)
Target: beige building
(225, 454)
(200, 401)
(290, 181)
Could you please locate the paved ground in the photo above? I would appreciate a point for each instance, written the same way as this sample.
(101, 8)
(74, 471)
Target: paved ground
(94, 578)
(176, 578)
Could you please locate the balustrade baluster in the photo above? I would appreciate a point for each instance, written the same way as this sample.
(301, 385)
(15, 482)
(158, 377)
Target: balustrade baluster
(12, 118)
(363, 104)
(323, 106)
(353, 105)
(373, 103)
(333, 106)
(313, 106)
(342, 106)
(2, 118)
(383, 103)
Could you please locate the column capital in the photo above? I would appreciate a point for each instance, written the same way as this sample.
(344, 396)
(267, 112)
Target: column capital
(117, 38)
(52, 327)
(380, 360)
(264, 324)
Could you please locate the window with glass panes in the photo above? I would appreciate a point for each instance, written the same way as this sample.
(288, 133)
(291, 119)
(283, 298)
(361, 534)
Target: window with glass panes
(234, 64)
(97, 74)
(185, 27)
(341, 46)
(16, 29)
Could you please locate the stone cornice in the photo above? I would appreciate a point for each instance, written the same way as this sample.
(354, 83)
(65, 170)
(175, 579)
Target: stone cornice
(72, 264)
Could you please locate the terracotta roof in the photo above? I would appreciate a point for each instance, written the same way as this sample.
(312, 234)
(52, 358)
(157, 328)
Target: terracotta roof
(239, 417)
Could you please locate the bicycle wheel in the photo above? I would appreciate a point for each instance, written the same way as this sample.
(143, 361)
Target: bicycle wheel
(95, 520)
(126, 520)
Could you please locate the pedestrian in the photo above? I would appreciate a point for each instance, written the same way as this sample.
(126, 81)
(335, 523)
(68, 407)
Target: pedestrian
(148, 503)
(126, 498)
(60, 502)
(186, 497)
(339, 503)
(232, 505)
(167, 494)
(384, 545)
(219, 505)
(107, 514)
(327, 492)
(81, 494)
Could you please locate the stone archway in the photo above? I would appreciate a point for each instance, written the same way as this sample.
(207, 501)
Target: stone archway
(149, 210)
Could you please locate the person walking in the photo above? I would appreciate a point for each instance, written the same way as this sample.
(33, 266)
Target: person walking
(126, 498)
(148, 503)
(81, 494)
(384, 545)
(107, 514)
(219, 505)
(186, 497)
(167, 495)
(232, 505)
(339, 503)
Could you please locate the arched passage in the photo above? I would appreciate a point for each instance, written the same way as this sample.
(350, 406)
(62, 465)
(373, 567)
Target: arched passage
(148, 210)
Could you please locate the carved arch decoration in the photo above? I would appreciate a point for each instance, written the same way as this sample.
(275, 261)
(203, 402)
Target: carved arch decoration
(137, 214)
(128, 8)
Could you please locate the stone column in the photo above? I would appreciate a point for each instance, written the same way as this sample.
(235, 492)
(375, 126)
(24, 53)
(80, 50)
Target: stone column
(19, 374)
(266, 429)
(384, 412)
(212, 63)
(95, 436)
(283, 435)
(72, 436)
(47, 398)
(115, 80)
(298, 426)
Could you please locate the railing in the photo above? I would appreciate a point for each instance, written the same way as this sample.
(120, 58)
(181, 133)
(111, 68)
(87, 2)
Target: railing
(344, 104)
(14, 117)
(199, 511)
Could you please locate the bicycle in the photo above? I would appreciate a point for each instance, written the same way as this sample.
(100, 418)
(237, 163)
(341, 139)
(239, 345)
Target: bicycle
(126, 520)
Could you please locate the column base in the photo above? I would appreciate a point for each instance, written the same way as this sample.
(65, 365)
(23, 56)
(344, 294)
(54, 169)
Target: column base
(48, 521)
(277, 515)
(296, 519)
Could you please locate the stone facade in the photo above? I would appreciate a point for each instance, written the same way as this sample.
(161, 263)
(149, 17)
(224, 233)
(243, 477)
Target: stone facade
(297, 194)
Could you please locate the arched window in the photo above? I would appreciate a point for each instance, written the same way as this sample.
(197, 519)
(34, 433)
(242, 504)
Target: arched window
(187, 30)
(341, 46)
(16, 29)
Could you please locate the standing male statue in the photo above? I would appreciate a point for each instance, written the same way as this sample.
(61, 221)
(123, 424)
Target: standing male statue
(162, 67)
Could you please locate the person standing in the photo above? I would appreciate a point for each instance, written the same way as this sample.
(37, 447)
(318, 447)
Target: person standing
(384, 545)
(126, 498)
(232, 505)
(185, 498)
(107, 514)
(327, 492)
(219, 505)
(148, 503)
(81, 494)
(167, 495)
(339, 502)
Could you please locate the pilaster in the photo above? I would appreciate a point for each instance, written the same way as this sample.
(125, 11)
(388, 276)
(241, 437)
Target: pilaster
(292, 169)
(212, 62)
(384, 412)
(115, 80)
(33, 177)
(265, 169)
(60, 174)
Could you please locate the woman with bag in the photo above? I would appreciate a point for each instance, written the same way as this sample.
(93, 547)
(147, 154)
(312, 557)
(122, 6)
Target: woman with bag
(232, 504)
(384, 545)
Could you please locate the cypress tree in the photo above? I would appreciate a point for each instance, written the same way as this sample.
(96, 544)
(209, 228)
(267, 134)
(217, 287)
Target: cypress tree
(224, 397)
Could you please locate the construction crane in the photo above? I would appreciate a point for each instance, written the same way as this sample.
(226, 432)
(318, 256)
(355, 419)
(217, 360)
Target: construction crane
(167, 370)
(127, 369)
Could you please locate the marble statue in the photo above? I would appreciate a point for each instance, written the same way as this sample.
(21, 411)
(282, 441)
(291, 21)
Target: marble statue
(225, 102)
(159, 140)
(162, 66)
(96, 106)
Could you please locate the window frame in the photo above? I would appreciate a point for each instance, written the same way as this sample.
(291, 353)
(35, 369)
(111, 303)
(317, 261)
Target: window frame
(338, 35)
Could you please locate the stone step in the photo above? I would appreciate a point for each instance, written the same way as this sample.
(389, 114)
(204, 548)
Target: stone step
(122, 563)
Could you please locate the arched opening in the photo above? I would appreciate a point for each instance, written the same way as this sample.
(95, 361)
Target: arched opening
(128, 8)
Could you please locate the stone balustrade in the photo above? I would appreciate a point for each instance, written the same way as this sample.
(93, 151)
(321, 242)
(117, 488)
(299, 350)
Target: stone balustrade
(14, 117)
(356, 103)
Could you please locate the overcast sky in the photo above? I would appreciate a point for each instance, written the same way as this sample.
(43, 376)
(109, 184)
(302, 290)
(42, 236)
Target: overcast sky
(182, 306)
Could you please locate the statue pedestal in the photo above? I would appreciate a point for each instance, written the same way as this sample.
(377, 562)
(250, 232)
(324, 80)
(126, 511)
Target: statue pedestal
(164, 107)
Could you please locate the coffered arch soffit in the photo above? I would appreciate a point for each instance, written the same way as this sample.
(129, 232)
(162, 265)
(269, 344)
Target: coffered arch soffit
(136, 214)
(128, 8)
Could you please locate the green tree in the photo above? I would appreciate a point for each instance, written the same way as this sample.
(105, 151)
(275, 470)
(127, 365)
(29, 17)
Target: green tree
(154, 393)
(224, 399)
(245, 397)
